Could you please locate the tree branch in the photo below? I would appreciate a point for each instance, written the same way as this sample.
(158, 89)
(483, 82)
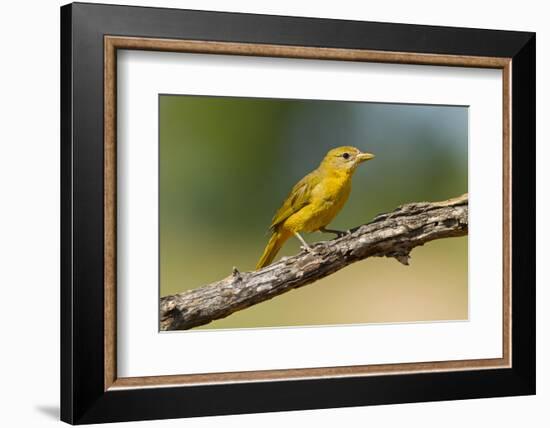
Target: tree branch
(393, 234)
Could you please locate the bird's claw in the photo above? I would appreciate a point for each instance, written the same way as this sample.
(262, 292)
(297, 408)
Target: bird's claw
(338, 233)
(306, 248)
(343, 233)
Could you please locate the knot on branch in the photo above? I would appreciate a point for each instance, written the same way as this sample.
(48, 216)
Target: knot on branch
(236, 274)
(401, 256)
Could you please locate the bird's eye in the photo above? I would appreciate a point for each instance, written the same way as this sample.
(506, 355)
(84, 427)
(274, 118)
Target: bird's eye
(345, 155)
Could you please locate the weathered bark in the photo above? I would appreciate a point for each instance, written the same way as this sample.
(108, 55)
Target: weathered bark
(393, 234)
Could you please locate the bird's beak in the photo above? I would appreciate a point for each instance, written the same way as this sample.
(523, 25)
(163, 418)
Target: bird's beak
(362, 157)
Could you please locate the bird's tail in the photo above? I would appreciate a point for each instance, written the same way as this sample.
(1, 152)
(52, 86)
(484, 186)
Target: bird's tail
(278, 238)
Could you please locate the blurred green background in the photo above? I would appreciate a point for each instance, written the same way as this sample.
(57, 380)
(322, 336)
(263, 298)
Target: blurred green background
(226, 165)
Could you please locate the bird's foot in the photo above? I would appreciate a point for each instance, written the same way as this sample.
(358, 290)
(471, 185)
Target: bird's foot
(345, 233)
(338, 233)
(306, 248)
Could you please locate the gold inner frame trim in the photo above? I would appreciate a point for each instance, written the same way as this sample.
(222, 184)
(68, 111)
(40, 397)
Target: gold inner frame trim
(113, 43)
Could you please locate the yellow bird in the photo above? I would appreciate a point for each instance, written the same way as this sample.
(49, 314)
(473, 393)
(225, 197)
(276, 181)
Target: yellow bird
(315, 200)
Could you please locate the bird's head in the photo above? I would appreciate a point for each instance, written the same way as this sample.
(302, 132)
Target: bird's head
(345, 158)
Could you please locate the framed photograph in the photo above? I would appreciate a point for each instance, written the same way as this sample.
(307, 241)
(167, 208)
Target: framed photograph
(266, 213)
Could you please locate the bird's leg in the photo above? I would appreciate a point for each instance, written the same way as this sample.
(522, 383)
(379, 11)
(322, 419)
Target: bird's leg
(338, 233)
(305, 246)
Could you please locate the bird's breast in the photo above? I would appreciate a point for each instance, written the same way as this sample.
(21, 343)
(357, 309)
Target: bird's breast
(327, 200)
(332, 190)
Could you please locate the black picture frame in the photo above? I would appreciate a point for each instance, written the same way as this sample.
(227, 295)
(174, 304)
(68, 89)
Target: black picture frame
(83, 396)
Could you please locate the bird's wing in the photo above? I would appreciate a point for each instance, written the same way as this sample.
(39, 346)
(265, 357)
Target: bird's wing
(298, 197)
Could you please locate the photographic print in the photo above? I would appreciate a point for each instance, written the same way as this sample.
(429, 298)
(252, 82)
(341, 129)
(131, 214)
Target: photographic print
(247, 182)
